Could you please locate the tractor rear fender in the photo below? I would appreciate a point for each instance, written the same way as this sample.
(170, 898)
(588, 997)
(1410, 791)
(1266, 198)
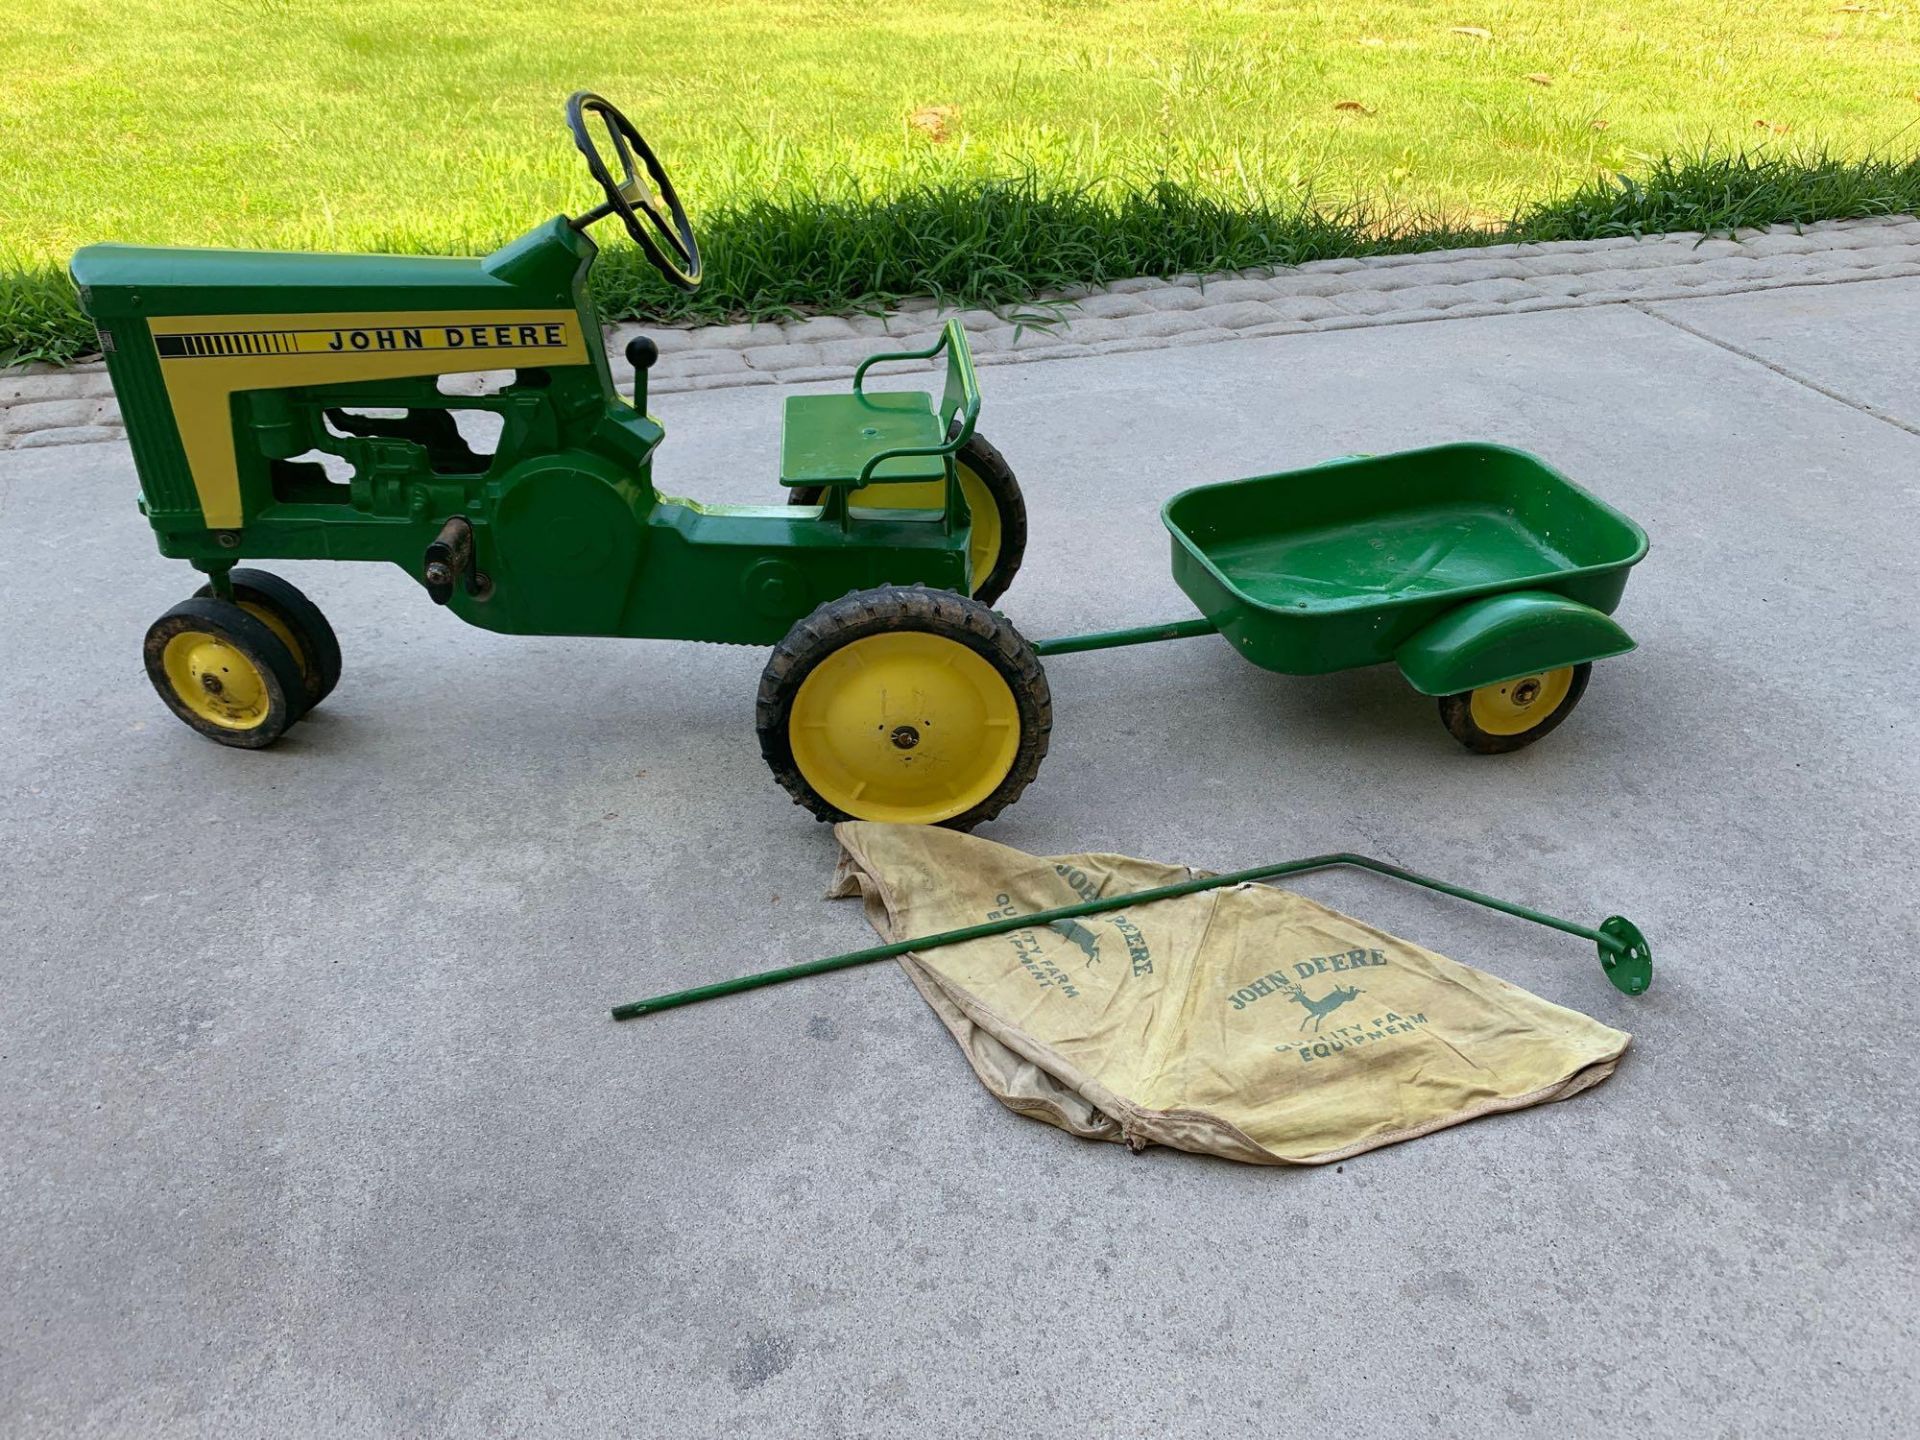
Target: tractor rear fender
(1504, 637)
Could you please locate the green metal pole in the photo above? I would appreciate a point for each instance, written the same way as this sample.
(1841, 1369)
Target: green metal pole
(1114, 639)
(1624, 953)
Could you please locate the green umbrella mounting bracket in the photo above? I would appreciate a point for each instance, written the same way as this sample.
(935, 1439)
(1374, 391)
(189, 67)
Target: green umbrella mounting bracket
(1624, 953)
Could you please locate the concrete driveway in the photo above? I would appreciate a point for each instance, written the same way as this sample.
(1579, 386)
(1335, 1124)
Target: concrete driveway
(313, 1121)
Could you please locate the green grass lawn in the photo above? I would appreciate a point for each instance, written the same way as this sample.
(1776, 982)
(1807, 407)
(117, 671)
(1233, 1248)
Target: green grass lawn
(435, 125)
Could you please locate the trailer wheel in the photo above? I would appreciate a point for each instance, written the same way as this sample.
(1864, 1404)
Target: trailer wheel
(1496, 719)
(287, 612)
(225, 672)
(907, 705)
(999, 540)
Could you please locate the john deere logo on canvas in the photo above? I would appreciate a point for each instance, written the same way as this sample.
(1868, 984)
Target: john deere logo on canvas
(1139, 956)
(1279, 982)
(1039, 964)
(1088, 942)
(1318, 1010)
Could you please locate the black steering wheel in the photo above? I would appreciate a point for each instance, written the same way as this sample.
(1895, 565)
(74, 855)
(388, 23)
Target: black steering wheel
(669, 243)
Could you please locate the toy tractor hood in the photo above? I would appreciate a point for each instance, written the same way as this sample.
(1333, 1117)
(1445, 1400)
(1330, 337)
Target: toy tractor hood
(541, 268)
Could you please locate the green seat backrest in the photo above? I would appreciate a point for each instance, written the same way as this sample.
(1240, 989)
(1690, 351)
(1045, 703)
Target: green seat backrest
(959, 400)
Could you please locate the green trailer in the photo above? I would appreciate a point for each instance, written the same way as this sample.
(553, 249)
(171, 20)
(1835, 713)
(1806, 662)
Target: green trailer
(311, 406)
(1488, 577)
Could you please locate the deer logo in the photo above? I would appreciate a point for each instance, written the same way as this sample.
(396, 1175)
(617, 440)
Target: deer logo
(1318, 1010)
(1080, 935)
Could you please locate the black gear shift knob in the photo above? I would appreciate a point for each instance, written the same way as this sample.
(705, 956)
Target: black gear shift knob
(641, 353)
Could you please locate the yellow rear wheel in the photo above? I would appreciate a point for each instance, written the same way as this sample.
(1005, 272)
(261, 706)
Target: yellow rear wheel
(910, 706)
(909, 727)
(1496, 719)
(998, 541)
(225, 672)
(984, 541)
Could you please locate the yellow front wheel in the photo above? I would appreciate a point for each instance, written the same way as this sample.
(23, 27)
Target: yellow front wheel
(226, 672)
(906, 705)
(1499, 718)
(286, 611)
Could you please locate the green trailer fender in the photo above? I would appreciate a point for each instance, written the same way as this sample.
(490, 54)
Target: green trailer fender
(1504, 637)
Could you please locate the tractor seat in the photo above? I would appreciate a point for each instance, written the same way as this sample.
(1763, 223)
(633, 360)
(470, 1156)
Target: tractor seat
(830, 439)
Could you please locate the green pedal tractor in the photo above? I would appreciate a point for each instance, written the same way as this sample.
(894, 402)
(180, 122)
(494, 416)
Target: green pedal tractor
(285, 406)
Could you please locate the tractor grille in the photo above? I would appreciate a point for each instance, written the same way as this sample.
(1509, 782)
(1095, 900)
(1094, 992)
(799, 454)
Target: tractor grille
(164, 477)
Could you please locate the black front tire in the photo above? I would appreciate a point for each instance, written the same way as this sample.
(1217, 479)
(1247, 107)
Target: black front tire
(297, 620)
(225, 673)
